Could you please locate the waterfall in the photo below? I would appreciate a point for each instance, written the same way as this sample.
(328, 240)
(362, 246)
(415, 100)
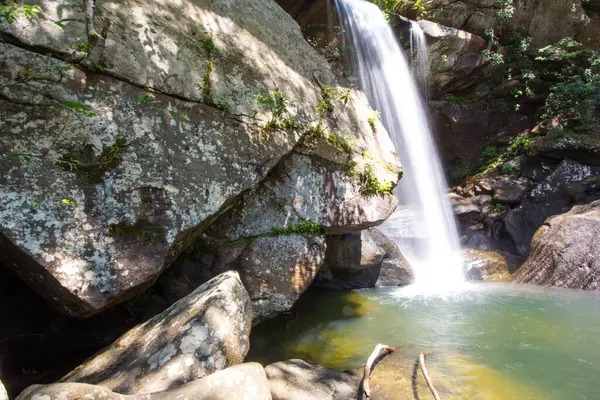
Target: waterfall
(418, 55)
(432, 246)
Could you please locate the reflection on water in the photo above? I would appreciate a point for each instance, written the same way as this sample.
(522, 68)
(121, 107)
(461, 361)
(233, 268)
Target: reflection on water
(545, 339)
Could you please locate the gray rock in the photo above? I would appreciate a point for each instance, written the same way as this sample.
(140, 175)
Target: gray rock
(547, 198)
(362, 259)
(137, 158)
(202, 333)
(3, 394)
(545, 22)
(277, 270)
(565, 251)
(298, 380)
(508, 191)
(244, 381)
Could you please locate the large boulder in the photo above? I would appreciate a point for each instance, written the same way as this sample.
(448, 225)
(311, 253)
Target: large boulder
(137, 157)
(200, 334)
(245, 381)
(549, 197)
(584, 148)
(359, 259)
(298, 380)
(544, 21)
(311, 193)
(565, 251)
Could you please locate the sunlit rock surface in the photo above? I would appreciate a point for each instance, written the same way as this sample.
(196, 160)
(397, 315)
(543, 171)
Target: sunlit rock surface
(565, 251)
(245, 381)
(112, 173)
(490, 265)
(298, 380)
(202, 333)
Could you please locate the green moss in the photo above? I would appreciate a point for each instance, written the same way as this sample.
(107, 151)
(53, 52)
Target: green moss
(370, 184)
(301, 227)
(142, 230)
(242, 240)
(497, 208)
(89, 166)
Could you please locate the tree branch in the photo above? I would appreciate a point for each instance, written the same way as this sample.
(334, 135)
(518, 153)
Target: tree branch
(426, 375)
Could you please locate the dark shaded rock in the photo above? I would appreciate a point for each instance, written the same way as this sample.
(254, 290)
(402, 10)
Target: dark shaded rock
(509, 191)
(550, 197)
(490, 265)
(277, 270)
(464, 129)
(584, 148)
(584, 191)
(565, 251)
(362, 259)
(244, 381)
(200, 334)
(298, 380)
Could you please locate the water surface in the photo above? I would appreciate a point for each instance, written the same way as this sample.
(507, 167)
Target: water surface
(545, 339)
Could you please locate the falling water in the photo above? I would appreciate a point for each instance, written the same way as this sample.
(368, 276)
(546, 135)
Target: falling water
(419, 58)
(433, 251)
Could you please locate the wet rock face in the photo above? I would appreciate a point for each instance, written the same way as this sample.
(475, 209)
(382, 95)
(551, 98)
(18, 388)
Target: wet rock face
(113, 173)
(490, 265)
(202, 333)
(298, 380)
(565, 251)
(244, 381)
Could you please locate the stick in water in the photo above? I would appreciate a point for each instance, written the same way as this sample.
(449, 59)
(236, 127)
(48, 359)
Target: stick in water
(381, 351)
(426, 375)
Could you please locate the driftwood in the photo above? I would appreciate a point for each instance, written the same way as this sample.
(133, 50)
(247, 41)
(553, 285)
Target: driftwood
(381, 351)
(426, 375)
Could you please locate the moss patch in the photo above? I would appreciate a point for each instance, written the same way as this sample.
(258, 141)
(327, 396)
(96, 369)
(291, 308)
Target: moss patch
(142, 230)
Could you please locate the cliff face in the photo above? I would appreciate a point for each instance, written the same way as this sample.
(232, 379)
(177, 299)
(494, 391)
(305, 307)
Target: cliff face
(123, 144)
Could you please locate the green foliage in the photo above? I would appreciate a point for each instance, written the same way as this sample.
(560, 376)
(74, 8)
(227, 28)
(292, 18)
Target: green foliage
(83, 45)
(91, 167)
(372, 121)
(574, 100)
(491, 53)
(68, 202)
(506, 9)
(24, 155)
(509, 169)
(143, 99)
(370, 183)
(142, 230)
(497, 208)
(343, 143)
(79, 108)
(488, 155)
(277, 104)
(331, 95)
(14, 10)
(459, 172)
(301, 227)
(454, 99)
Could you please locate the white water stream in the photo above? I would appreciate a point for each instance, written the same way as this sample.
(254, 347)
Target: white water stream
(428, 236)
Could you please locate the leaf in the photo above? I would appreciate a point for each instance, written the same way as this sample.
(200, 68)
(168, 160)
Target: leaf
(60, 25)
(100, 68)
(143, 99)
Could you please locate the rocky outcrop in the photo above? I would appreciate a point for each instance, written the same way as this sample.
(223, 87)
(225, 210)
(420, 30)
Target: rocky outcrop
(144, 150)
(549, 197)
(545, 21)
(584, 148)
(202, 333)
(565, 251)
(298, 380)
(362, 259)
(244, 381)
(465, 128)
(491, 266)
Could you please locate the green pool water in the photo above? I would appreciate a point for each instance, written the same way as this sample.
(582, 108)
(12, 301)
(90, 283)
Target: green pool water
(544, 340)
